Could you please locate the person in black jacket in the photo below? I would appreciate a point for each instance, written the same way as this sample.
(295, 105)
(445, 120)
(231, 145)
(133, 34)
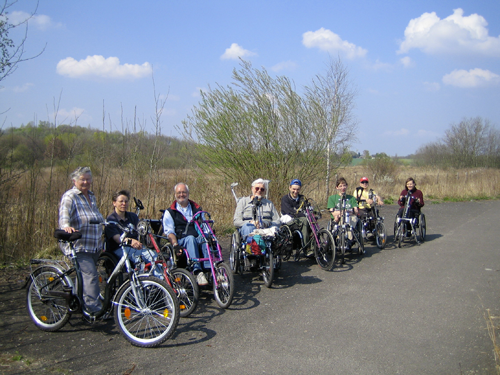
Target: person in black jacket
(182, 233)
(289, 205)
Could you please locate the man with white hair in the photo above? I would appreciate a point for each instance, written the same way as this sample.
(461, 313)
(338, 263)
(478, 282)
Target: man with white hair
(255, 211)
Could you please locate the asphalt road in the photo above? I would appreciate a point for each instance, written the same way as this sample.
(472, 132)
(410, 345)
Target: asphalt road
(414, 310)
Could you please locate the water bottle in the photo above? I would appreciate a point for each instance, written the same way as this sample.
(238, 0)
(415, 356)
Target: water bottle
(248, 246)
(347, 217)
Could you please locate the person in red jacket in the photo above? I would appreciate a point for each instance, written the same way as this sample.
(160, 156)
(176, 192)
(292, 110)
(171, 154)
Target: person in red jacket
(416, 196)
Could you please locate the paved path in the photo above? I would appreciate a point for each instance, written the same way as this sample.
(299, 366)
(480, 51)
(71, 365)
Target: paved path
(414, 310)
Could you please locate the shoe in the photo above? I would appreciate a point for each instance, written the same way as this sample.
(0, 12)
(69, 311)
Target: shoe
(201, 279)
(309, 253)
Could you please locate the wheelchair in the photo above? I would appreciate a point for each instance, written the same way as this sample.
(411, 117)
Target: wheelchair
(320, 240)
(413, 228)
(348, 238)
(372, 223)
(255, 254)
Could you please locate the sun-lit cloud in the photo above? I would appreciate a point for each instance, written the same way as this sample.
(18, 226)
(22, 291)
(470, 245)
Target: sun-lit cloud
(285, 65)
(22, 88)
(431, 86)
(472, 78)
(70, 115)
(40, 21)
(406, 61)
(98, 66)
(236, 51)
(454, 34)
(328, 41)
(397, 133)
(379, 65)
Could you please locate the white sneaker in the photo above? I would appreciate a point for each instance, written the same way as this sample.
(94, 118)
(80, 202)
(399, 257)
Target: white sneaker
(201, 279)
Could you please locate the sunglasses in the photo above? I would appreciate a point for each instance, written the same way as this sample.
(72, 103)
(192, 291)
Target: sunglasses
(364, 182)
(259, 189)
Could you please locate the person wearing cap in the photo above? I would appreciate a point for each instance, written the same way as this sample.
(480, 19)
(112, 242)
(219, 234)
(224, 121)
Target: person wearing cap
(290, 204)
(255, 211)
(362, 195)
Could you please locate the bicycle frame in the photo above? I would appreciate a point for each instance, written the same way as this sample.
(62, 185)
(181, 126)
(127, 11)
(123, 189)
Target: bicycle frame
(406, 219)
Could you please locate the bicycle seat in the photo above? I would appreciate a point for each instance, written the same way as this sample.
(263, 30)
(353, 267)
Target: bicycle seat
(60, 234)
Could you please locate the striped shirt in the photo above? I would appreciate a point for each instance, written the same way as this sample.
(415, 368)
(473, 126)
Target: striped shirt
(75, 211)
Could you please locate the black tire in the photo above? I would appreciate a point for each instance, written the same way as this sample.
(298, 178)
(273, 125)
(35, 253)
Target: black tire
(105, 267)
(49, 313)
(342, 245)
(400, 233)
(235, 252)
(422, 227)
(361, 243)
(325, 252)
(380, 235)
(268, 268)
(156, 321)
(224, 293)
(395, 227)
(186, 290)
(285, 242)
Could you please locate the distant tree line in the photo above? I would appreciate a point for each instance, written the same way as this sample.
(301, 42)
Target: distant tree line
(472, 143)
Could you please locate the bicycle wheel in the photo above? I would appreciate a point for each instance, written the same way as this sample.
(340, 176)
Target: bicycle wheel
(380, 235)
(234, 253)
(325, 252)
(48, 312)
(422, 228)
(400, 233)
(186, 289)
(224, 292)
(268, 269)
(342, 246)
(105, 267)
(152, 317)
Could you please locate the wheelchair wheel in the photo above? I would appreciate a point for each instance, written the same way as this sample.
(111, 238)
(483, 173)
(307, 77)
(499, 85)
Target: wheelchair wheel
(395, 226)
(186, 289)
(235, 252)
(224, 292)
(285, 242)
(422, 227)
(325, 252)
(380, 235)
(268, 268)
(105, 266)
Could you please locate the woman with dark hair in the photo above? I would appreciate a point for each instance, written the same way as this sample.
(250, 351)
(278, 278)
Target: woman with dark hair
(113, 233)
(77, 209)
(417, 200)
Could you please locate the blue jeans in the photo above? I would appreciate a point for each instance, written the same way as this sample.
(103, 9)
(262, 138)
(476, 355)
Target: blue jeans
(192, 244)
(146, 255)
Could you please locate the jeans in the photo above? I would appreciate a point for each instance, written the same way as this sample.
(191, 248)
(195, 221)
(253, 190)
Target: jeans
(192, 245)
(90, 279)
(138, 256)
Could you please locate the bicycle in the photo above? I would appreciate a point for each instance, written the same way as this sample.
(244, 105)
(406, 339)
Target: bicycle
(345, 235)
(405, 226)
(321, 239)
(145, 308)
(373, 223)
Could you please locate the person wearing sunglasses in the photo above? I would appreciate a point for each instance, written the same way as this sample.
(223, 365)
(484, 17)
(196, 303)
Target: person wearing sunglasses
(255, 211)
(364, 195)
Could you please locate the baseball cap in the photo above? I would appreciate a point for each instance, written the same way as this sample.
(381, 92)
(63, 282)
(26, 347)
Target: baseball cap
(363, 179)
(296, 181)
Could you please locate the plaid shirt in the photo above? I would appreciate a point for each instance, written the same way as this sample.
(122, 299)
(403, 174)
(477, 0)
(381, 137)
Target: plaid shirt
(75, 211)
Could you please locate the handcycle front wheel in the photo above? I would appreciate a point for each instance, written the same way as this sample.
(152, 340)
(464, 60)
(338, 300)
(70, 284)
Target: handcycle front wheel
(380, 235)
(186, 289)
(422, 227)
(224, 288)
(49, 312)
(325, 251)
(268, 269)
(152, 317)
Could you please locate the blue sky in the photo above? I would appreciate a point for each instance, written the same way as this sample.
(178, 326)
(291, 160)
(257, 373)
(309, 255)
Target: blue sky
(417, 66)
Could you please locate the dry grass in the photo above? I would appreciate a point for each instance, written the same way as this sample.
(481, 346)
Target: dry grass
(493, 331)
(30, 208)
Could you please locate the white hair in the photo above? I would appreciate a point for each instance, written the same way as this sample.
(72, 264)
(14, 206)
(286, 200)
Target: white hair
(258, 181)
(80, 171)
(181, 183)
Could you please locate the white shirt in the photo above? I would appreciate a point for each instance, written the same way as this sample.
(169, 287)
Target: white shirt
(168, 222)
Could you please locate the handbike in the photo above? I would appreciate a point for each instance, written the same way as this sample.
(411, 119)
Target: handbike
(320, 239)
(373, 223)
(145, 308)
(406, 226)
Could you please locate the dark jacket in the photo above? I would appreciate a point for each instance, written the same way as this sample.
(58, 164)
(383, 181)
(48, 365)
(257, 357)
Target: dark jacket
(180, 222)
(289, 206)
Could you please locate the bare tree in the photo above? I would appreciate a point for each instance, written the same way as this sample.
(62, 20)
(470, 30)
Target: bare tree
(11, 52)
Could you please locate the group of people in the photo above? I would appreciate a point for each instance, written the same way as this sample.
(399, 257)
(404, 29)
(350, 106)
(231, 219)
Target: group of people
(78, 208)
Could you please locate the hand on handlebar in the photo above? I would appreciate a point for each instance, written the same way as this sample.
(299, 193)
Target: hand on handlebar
(70, 230)
(178, 250)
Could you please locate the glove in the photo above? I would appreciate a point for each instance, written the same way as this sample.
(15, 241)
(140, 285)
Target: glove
(178, 249)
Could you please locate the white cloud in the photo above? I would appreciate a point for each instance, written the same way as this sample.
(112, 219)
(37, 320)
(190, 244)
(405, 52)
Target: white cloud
(40, 21)
(70, 115)
(285, 65)
(406, 61)
(432, 86)
(98, 66)
(378, 65)
(472, 78)
(22, 88)
(454, 34)
(397, 133)
(327, 40)
(236, 51)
